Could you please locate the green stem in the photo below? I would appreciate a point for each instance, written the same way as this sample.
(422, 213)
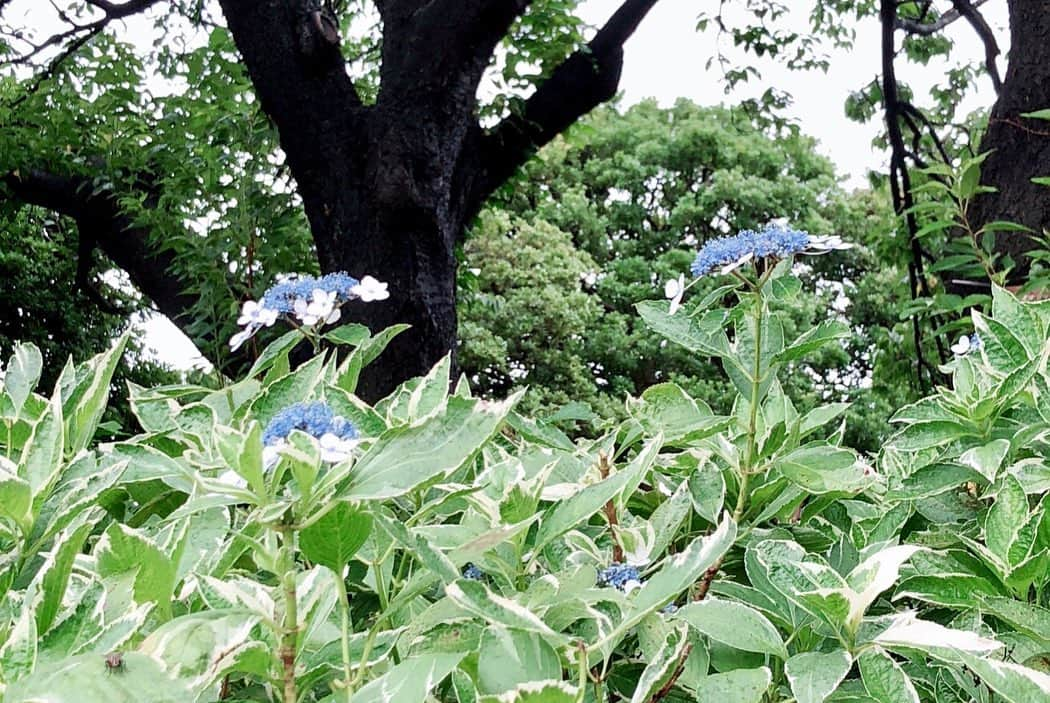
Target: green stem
(756, 387)
(290, 625)
(344, 607)
(581, 670)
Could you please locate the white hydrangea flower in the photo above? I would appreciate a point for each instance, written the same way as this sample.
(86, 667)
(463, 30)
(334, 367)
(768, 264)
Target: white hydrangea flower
(335, 449)
(256, 314)
(821, 244)
(232, 478)
(271, 454)
(370, 290)
(674, 289)
(734, 265)
(320, 307)
(241, 337)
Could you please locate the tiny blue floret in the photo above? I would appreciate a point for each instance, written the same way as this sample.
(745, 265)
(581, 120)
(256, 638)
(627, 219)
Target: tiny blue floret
(315, 419)
(472, 573)
(773, 241)
(282, 296)
(619, 576)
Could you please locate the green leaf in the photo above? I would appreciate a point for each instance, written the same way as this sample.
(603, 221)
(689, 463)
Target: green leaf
(661, 665)
(19, 652)
(200, 648)
(884, 678)
(815, 675)
(53, 577)
(926, 435)
(286, 390)
(580, 507)
(410, 681)
(999, 344)
(813, 339)
(92, 403)
(987, 458)
(16, 497)
(476, 598)
(507, 658)
(1024, 617)
(408, 456)
(276, 349)
(734, 624)
(738, 686)
(334, 539)
(22, 374)
(1005, 518)
(42, 459)
(822, 468)
(123, 552)
(1015, 683)
(87, 679)
(537, 692)
(666, 408)
(370, 350)
(707, 488)
(705, 336)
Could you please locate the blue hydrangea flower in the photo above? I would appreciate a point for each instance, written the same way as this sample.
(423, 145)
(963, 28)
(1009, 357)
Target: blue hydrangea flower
(283, 295)
(472, 572)
(731, 252)
(669, 609)
(335, 435)
(622, 577)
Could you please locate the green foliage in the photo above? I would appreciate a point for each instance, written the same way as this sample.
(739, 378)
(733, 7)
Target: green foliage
(189, 562)
(602, 218)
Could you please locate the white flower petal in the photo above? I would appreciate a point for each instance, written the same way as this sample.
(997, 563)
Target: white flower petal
(241, 337)
(370, 290)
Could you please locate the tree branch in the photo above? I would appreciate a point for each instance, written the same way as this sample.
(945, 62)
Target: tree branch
(991, 48)
(926, 29)
(101, 221)
(586, 79)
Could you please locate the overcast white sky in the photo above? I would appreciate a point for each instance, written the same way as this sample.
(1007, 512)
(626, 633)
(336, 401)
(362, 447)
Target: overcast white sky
(666, 60)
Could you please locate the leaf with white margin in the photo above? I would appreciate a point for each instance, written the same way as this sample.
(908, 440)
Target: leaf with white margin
(675, 575)
(884, 679)
(477, 599)
(874, 575)
(815, 675)
(940, 641)
(537, 692)
(661, 665)
(410, 681)
(737, 686)
(1015, 683)
(734, 624)
(201, 647)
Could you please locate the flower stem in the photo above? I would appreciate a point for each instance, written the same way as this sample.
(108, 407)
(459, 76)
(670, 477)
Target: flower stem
(290, 625)
(344, 608)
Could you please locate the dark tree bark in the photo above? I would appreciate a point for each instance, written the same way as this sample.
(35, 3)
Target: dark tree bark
(389, 188)
(1019, 146)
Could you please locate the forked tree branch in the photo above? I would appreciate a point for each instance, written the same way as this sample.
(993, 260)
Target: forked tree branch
(928, 29)
(589, 77)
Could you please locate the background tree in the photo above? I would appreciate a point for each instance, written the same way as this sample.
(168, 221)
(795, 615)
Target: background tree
(387, 168)
(608, 213)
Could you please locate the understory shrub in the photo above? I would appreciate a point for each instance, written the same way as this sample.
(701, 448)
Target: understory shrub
(278, 539)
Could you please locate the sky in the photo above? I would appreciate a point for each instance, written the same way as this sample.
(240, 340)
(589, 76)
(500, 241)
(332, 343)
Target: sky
(666, 60)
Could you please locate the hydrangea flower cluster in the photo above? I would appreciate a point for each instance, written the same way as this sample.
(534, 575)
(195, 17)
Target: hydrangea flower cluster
(472, 573)
(967, 344)
(312, 301)
(622, 577)
(336, 436)
(772, 242)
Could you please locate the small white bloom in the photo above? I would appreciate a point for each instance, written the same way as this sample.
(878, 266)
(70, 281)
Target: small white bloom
(271, 454)
(369, 290)
(963, 346)
(631, 585)
(674, 289)
(255, 314)
(821, 244)
(320, 307)
(335, 449)
(241, 337)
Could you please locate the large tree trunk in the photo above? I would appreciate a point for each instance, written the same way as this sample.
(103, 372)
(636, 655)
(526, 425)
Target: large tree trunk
(1019, 146)
(388, 188)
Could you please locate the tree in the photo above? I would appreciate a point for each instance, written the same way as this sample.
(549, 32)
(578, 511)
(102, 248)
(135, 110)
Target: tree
(388, 168)
(617, 206)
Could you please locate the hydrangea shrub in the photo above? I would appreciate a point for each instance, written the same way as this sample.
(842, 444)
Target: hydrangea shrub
(278, 539)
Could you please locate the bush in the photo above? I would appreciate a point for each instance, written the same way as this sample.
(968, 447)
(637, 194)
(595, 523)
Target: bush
(279, 539)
